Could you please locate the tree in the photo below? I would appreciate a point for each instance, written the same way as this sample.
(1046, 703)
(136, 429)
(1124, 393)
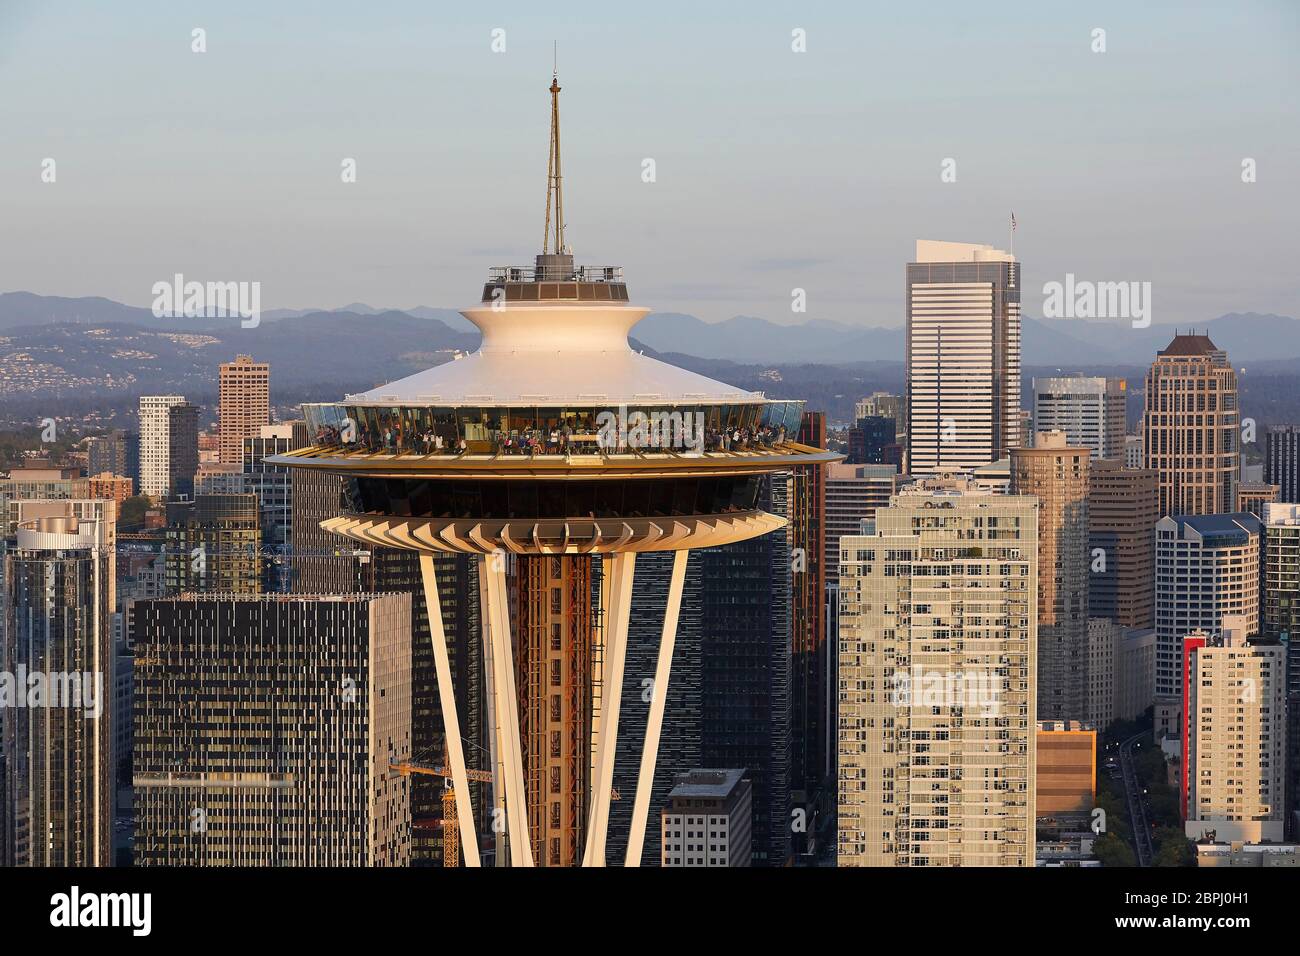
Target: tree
(1173, 848)
(1113, 851)
(132, 512)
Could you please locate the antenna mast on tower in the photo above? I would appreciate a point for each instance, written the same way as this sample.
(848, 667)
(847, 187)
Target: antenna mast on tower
(554, 177)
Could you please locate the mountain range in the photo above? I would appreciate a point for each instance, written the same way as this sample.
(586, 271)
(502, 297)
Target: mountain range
(1247, 337)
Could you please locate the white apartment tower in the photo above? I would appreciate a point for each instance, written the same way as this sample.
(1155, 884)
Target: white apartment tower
(1090, 410)
(169, 454)
(963, 356)
(1236, 735)
(937, 669)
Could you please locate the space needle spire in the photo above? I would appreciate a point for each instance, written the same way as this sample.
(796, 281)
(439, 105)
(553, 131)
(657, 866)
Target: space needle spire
(554, 176)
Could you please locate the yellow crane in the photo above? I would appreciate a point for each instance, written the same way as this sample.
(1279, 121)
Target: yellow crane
(450, 832)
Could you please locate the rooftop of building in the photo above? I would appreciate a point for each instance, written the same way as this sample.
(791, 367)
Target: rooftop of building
(838, 471)
(936, 250)
(1066, 727)
(1190, 344)
(1281, 513)
(1226, 526)
(706, 783)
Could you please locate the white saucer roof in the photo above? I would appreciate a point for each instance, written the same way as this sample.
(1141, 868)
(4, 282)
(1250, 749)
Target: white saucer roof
(555, 354)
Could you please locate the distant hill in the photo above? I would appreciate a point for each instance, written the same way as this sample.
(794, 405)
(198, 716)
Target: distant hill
(1247, 337)
(82, 347)
(321, 354)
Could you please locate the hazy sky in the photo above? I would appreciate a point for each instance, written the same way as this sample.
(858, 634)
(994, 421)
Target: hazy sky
(775, 169)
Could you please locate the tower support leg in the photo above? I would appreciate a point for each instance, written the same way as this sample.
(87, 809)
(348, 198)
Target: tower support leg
(496, 617)
(450, 718)
(618, 609)
(654, 720)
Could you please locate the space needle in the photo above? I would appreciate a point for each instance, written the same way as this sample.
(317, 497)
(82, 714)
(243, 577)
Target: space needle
(555, 454)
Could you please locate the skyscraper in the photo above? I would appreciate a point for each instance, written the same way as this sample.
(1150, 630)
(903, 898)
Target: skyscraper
(169, 445)
(273, 488)
(937, 715)
(1282, 460)
(266, 727)
(1123, 508)
(1057, 474)
(963, 356)
(1207, 568)
(871, 442)
(1089, 410)
(1234, 768)
(747, 668)
(809, 689)
(1280, 621)
(885, 405)
(244, 405)
(1190, 427)
(214, 544)
(117, 453)
(56, 633)
(853, 492)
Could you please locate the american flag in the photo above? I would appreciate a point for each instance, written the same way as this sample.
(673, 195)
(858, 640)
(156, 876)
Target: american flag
(1013, 221)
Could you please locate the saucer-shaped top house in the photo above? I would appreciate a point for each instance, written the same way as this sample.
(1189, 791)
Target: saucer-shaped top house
(556, 453)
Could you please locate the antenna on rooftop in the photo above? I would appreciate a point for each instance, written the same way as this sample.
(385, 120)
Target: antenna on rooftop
(554, 176)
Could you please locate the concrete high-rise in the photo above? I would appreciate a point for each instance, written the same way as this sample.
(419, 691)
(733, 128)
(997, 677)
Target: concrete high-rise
(266, 728)
(1090, 411)
(1123, 508)
(1056, 473)
(1207, 568)
(707, 820)
(1190, 427)
(963, 356)
(937, 665)
(1234, 733)
(244, 405)
(169, 446)
(56, 633)
(1134, 456)
(1252, 496)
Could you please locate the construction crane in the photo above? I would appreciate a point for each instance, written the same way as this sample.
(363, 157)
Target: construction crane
(450, 832)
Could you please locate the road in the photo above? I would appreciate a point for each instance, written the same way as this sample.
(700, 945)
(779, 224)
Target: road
(1137, 810)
